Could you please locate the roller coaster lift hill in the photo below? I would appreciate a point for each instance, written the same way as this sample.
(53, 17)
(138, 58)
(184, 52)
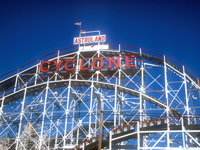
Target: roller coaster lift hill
(94, 95)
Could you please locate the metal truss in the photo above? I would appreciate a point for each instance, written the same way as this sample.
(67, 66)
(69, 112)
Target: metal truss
(157, 100)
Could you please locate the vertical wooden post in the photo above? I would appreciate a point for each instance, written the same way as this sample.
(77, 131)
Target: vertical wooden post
(100, 126)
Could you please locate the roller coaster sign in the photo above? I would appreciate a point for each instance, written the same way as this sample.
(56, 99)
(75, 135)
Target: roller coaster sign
(97, 63)
(89, 39)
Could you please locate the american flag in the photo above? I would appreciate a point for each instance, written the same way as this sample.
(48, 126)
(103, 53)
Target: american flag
(77, 23)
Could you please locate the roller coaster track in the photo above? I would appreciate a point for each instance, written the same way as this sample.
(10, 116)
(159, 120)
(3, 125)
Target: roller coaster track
(13, 88)
(26, 75)
(63, 83)
(125, 133)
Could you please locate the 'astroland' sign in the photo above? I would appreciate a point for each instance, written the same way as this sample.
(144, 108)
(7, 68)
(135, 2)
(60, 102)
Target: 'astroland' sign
(96, 64)
(89, 39)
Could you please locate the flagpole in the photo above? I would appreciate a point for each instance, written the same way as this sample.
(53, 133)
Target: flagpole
(80, 30)
(78, 23)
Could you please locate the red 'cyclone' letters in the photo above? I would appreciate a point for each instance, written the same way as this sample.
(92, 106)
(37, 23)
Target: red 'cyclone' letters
(41, 66)
(81, 65)
(112, 60)
(93, 63)
(57, 65)
(69, 69)
(129, 60)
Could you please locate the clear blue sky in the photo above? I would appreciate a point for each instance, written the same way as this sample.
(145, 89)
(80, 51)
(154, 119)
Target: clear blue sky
(30, 29)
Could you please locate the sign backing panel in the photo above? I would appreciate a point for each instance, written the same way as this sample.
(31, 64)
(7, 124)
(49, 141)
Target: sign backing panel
(89, 39)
